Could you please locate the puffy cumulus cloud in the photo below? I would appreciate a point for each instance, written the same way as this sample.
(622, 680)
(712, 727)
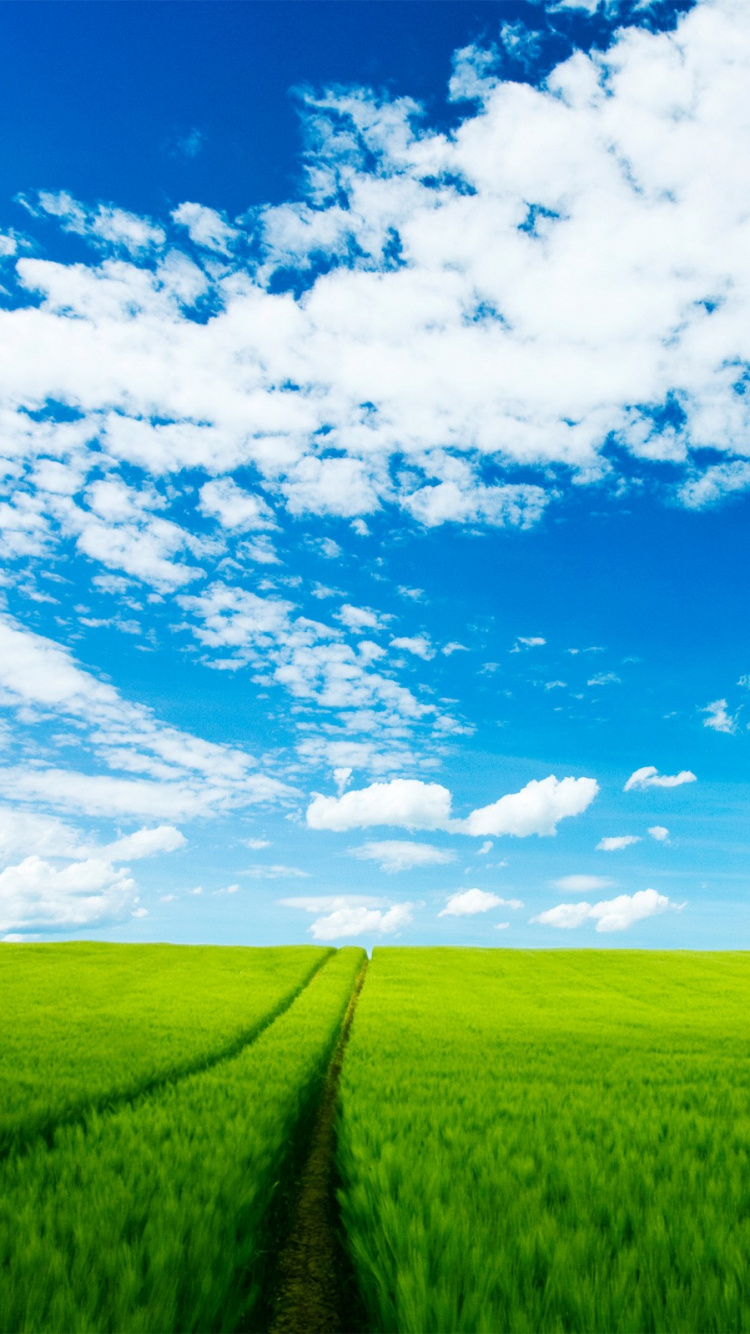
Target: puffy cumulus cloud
(402, 855)
(616, 842)
(719, 719)
(35, 894)
(649, 776)
(170, 774)
(346, 922)
(348, 915)
(582, 883)
(565, 268)
(408, 803)
(536, 809)
(419, 645)
(659, 832)
(233, 507)
(206, 227)
(611, 914)
(468, 902)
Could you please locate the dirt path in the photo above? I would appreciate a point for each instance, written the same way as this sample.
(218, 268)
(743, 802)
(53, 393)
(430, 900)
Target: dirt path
(315, 1292)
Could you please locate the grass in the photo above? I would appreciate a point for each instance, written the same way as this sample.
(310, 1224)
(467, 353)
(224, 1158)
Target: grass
(159, 1215)
(549, 1141)
(84, 1025)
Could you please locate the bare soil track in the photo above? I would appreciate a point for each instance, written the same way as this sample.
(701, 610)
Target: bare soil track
(315, 1290)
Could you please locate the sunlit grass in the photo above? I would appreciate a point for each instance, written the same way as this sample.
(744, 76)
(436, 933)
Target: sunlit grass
(84, 1023)
(550, 1141)
(154, 1217)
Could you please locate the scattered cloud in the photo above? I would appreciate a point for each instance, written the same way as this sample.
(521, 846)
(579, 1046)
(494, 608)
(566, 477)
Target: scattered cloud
(536, 809)
(277, 872)
(659, 832)
(401, 855)
(649, 776)
(535, 641)
(36, 894)
(718, 718)
(617, 842)
(468, 902)
(348, 915)
(410, 803)
(419, 645)
(582, 883)
(610, 915)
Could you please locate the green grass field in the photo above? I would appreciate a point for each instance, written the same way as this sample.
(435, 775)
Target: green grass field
(527, 1141)
(82, 1025)
(550, 1141)
(153, 1217)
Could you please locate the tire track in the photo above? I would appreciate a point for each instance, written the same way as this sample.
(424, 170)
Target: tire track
(78, 1114)
(315, 1290)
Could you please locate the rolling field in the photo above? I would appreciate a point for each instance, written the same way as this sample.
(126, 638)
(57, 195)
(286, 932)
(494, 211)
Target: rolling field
(525, 1141)
(83, 1025)
(155, 1216)
(549, 1141)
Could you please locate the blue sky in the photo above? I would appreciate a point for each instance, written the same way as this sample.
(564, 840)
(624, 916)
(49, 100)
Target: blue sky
(376, 456)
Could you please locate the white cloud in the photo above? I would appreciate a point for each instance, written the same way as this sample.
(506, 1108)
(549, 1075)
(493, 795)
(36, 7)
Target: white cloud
(532, 641)
(605, 679)
(419, 645)
(718, 718)
(256, 843)
(485, 848)
(573, 269)
(616, 842)
(171, 774)
(346, 922)
(659, 832)
(233, 507)
(358, 618)
(347, 915)
(37, 894)
(402, 855)
(206, 227)
(453, 647)
(408, 803)
(144, 843)
(565, 916)
(536, 809)
(582, 883)
(468, 902)
(610, 915)
(277, 872)
(649, 776)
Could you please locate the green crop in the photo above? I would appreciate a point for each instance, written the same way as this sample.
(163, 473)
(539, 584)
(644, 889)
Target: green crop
(549, 1141)
(157, 1216)
(82, 1025)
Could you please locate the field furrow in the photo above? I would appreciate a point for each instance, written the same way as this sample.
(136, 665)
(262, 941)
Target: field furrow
(315, 1288)
(165, 1214)
(89, 1026)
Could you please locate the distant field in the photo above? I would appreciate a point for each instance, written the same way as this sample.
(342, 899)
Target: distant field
(535, 1141)
(527, 1141)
